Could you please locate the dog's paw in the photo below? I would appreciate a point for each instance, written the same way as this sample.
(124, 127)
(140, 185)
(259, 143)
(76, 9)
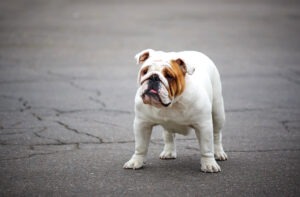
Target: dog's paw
(209, 165)
(220, 156)
(134, 163)
(168, 155)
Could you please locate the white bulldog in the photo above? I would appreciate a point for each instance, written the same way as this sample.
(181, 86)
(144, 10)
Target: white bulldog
(181, 91)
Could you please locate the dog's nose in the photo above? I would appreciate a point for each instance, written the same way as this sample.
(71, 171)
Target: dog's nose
(154, 77)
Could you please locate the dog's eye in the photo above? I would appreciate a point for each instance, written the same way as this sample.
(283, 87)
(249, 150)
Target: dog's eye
(144, 71)
(169, 77)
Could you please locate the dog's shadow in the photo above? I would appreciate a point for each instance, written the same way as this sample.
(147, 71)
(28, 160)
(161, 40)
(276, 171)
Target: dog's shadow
(181, 166)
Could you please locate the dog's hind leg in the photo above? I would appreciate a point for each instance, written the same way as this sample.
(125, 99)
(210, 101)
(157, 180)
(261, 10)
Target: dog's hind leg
(218, 116)
(169, 151)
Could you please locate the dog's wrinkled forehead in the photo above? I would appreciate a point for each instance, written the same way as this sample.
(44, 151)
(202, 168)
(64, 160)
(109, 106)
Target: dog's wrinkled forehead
(156, 60)
(157, 63)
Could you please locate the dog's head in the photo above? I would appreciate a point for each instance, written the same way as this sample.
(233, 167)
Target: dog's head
(161, 77)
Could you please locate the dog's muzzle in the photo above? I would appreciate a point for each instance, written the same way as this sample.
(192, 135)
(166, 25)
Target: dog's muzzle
(152, 94)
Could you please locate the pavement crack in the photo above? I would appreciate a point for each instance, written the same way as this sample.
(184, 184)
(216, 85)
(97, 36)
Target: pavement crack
(108, 124)
(29, 156)
(13, 133)
(49, 72)
(288, 125)
(66, 126)
(119, 142)
(75, 85)
(291, 79)
(24, 104)
(285, 125)
(38, 134)
(94, 91)
(74, 146)
(36, 154)
(37, 116)
(97, 101)
(114, 111)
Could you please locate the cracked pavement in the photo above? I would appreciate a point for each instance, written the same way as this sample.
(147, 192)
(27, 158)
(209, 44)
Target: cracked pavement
(68, 81)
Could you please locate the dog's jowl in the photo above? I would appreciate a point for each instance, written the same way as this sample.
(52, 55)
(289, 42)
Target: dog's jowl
(182, 92)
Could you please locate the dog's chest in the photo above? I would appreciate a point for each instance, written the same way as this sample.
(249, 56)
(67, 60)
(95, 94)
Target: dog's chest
(176, 128)
(177, 121)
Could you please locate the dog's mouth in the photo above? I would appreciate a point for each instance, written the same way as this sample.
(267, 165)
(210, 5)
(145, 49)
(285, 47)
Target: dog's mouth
(153, 95)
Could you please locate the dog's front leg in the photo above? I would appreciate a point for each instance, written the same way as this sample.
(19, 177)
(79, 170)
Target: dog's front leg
(142, 133)
(204, 133)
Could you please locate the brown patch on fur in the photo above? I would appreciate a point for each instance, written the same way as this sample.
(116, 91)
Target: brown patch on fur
(175, 77)
(143, 57)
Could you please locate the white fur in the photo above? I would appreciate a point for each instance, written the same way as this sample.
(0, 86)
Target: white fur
(200, 108)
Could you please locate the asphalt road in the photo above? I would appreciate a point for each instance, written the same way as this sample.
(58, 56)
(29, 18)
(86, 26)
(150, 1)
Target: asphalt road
(68, 80)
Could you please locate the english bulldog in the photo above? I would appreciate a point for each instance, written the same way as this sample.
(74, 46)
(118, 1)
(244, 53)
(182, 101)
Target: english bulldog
(181, 91)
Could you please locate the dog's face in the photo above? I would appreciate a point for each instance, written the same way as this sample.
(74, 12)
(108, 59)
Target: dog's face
(161, 78)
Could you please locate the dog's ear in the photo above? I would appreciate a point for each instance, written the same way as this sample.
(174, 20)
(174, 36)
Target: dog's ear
(185, 69)
(143, 56)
